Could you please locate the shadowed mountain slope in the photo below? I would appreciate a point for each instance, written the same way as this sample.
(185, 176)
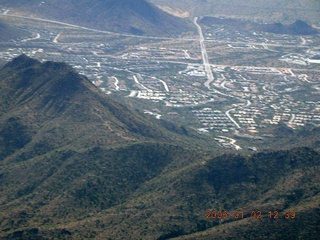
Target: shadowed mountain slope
(297, 28)
(174, 204)
(125, 16)
(61, 136)
(267, 10)
(43, 93)
(10, 33)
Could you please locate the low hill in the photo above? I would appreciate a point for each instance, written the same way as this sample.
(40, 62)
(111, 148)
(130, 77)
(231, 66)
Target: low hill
(175, 203)
(138, 17)
(297, 28)
(11, 33)
(75, 164)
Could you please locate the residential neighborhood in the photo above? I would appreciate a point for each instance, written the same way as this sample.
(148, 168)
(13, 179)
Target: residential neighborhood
(220, 94)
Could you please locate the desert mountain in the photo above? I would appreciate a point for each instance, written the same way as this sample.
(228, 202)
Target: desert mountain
(8, 33)
(297, 28)
(125, 16)
(53, 99)
(275, 10)
(69, 135)
(75, 164)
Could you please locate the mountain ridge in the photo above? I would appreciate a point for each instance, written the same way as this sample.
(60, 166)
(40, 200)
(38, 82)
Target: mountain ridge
(264, 10)
(61, 136)
(8, 32)
(297, 28)
(138, 17)
(47, 97)
(76, 164)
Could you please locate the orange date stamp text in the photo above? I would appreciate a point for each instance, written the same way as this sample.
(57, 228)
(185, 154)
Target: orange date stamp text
(254, 214)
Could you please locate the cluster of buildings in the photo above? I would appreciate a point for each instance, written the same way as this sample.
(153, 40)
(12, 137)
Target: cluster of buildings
(213, 120)
(240, 97)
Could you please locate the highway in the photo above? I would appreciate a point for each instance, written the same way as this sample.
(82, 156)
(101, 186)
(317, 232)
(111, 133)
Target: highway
(204, 55)
(210, 75)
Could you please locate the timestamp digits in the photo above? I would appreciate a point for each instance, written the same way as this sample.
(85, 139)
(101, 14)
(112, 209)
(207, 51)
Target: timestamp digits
(222, 214)
(254, 214)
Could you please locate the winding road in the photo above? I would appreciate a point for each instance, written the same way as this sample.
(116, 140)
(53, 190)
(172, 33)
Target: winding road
(231, 118)
(38, 36)
(139, 83)
(116, 82)
(293, 117)
(55, 40)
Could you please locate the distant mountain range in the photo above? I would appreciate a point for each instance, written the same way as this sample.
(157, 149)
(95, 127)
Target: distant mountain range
(125, 16)
(8, 32)
(297, 28)
(75, 164)
(268, 10)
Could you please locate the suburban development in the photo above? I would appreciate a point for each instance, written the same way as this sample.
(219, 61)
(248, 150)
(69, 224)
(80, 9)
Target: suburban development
(219, 81)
